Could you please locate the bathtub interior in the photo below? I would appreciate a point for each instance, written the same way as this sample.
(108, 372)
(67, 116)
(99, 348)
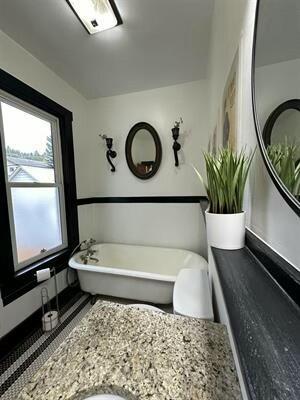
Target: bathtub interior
(152, 260)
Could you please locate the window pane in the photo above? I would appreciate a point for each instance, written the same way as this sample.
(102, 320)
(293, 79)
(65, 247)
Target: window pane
(37, 220)
(28, 144)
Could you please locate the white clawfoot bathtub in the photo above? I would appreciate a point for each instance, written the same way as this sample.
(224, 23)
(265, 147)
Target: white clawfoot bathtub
(134, 272)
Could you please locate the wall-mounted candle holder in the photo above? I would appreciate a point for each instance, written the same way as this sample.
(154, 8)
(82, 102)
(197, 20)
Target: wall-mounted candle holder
(110, 153)
(175, 135)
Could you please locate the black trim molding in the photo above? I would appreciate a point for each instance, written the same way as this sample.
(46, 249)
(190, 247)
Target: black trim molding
(14, 284)
(33, 322)
(141, 199)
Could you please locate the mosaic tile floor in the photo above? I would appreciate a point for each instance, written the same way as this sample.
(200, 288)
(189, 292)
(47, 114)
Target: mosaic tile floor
(23, 362)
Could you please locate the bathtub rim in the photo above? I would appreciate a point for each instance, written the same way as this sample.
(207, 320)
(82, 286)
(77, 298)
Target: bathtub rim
(127, 272)
(123, 272)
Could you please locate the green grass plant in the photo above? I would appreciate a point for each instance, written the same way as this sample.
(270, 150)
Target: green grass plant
(285, 160)
(227, 173)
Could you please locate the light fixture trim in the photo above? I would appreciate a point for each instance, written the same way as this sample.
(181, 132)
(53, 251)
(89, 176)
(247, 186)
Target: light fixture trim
(96, 15)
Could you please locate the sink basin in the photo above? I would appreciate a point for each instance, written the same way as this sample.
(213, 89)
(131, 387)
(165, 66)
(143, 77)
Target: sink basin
(105, 397)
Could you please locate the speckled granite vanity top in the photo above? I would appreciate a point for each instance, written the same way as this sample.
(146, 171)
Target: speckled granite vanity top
(139, 355)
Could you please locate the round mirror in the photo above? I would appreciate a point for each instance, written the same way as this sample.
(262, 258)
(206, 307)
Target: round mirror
(276, 93)
(143, 150)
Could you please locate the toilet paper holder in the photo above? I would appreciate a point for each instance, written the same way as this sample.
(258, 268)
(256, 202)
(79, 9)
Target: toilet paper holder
(50, 317)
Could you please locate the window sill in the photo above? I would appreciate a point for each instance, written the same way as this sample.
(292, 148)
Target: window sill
(24, 280)
(265, 324)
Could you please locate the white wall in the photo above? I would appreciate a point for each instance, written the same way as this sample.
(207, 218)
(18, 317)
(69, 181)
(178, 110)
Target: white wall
(164, 225)
(269, 216)
(226, 29)
(115, 116)
(171, 225)
(18, 62)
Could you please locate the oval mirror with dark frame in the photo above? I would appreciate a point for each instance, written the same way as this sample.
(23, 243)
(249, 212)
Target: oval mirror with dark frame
(276, 93)
(143, 150)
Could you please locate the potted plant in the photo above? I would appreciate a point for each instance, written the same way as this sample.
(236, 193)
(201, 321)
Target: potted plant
(227, 174)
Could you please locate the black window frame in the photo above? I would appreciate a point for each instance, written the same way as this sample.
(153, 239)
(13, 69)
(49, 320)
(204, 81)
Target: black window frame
(14, 284)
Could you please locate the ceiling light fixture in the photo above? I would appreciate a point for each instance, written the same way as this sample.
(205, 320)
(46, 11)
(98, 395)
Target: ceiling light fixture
(96, 15)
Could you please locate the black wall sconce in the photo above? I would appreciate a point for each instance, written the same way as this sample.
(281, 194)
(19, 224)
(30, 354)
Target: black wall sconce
(175, 135)
(110, 153)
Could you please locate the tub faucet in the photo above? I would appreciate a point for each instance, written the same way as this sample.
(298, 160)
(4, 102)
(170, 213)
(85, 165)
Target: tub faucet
(89, 252)
(89, 243)
(87, 257)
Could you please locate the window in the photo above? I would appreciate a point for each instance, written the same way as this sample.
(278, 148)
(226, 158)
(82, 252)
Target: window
(34, 181)
(38, 206)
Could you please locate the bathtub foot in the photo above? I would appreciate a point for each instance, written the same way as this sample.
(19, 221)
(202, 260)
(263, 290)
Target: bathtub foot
(94, 298)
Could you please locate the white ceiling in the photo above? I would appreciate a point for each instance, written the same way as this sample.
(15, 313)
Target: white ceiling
(161, 42)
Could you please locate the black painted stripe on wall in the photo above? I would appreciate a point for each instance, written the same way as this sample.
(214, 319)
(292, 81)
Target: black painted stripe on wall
(141, 199)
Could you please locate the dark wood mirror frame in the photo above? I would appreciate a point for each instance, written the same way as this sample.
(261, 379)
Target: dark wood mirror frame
(128, 146)
(293, 104)
(288, 197)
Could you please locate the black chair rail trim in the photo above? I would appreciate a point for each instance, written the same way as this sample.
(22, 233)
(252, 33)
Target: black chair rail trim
(141, 199)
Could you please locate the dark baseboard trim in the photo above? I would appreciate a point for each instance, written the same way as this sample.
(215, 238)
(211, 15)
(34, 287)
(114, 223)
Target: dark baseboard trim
(32, 323)
(29, 359)
(141, 199)
(284, 273)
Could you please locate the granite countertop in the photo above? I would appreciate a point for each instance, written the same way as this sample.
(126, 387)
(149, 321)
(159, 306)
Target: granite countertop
(138, 354)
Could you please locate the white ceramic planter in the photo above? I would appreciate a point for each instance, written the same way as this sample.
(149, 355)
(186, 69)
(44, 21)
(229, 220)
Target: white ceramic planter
(225, 231)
